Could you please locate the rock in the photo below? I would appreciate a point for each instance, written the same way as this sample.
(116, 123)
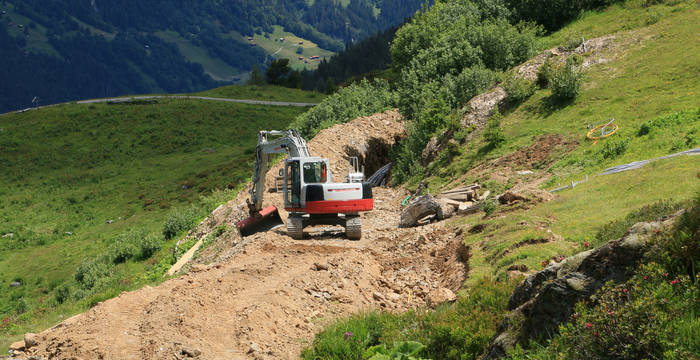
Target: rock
(481, 107)
(546, 299)
(510, 197)
(518, 267)
(394, 297)
(254, 348)
(516, 274)
(190, 352)
(419, 209)
(30, 340)
(9, 235)
(319, 267)
(468, 208)
(17, 346)
(198, 268)
(440, 295)
(15, 284)
(109, 222)
(448, 210)
(377, 296)
(524, 172)
(68, 233)
(485, 195)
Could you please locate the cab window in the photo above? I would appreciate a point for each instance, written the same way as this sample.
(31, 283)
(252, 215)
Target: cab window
(315, 172)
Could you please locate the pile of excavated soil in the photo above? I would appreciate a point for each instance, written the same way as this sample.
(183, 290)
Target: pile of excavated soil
(266, 295)
(525, 168)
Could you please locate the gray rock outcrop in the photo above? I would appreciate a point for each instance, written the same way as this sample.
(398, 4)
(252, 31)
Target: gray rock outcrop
(546, 299)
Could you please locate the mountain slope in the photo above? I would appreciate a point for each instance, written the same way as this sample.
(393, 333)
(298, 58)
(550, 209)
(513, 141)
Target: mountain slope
(67, 50)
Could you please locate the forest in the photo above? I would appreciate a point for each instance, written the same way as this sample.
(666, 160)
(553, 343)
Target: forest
(70, 49)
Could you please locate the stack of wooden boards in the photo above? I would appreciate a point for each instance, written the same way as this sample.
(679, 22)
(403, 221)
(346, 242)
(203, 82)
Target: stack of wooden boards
(465, 200)
(460, 201)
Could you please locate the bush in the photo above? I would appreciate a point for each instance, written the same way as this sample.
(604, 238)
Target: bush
(359, 99)
(63, 293)
(489, 207)
(573, 42)
(616, 229)
(493, 134)
(636, 320)
(518, 89)
(544, 74)
(92, 274)
(681, 248)
(614, 148)
(125, 246)
(149, 246)
(565, 82)
(180, 219)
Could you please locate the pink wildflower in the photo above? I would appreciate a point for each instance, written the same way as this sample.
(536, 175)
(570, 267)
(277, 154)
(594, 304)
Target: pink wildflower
(589, 325)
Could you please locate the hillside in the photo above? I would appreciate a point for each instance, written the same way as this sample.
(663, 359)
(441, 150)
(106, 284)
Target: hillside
(67, 50)
(606, 265)
(79, 177)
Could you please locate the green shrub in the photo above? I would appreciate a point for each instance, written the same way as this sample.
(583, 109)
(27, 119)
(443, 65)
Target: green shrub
(489, 207)
(125, 245)
(62, 293)
(401, 350)
(493, 134)
(681, 249)
(544, 74)
(359, 99)
(518, 89)
(92, 273)
(573, 42)
(149, 245)
(565, 82)
(614, 148)
(181, 219)
(635, 320)
(615, 229)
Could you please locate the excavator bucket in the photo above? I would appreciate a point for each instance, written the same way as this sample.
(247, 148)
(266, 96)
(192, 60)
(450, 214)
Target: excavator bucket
(265, 220)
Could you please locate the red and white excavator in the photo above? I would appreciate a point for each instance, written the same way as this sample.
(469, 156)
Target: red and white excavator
(310, 195)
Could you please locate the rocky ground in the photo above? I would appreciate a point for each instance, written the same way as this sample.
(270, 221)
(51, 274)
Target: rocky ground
(266, 295)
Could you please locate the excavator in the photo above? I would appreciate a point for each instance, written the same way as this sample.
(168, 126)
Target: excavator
(310, 195)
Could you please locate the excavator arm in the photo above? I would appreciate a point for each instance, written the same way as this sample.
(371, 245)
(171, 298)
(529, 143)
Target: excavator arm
(269, 142)
(288, 141)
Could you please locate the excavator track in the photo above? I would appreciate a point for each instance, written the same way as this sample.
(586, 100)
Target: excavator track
(295, 227)
(353, 227)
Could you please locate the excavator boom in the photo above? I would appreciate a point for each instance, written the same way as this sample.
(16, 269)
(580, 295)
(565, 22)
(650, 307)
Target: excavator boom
(269, 142)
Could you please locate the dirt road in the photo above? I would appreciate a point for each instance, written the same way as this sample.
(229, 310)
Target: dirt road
(265, 296)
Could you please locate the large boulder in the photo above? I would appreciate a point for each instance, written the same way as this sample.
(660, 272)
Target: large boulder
(546, 299)
(423, 206)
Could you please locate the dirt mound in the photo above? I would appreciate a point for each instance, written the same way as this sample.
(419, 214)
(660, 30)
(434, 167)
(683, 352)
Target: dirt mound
(538, 154)
(524, 168)
(266, 295)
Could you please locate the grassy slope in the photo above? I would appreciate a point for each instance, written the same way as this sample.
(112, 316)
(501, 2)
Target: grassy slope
(656, 74)
(271, 44)
(68, 169)
(213, 66)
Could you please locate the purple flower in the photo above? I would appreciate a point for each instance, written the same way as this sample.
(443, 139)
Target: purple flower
(347, 335)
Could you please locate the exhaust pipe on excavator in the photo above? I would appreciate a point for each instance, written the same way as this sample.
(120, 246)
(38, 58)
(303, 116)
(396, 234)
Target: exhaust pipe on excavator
(263, 220)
